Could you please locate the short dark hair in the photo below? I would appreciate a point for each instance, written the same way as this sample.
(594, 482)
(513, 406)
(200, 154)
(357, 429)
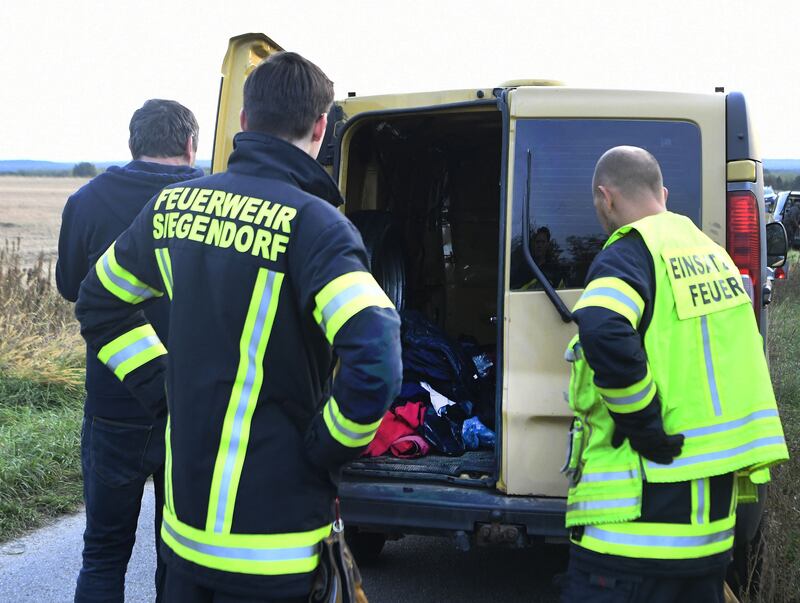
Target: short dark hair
(160, 128)
(630, 169)
(285, 95)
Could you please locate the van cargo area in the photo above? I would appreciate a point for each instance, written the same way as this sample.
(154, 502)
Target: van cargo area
(424, 190)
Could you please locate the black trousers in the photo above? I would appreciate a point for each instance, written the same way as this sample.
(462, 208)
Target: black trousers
(117, 457)
(587, 584)
(180, 589)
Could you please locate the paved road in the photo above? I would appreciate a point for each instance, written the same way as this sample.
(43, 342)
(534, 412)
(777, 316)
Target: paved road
(41, 568)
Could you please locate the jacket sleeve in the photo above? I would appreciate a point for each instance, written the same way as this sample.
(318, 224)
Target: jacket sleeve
(613, 314)
(333, 284)
(73, 253)
(110, 307)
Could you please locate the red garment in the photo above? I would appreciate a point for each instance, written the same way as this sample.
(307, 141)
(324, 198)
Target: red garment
(402, 421)
(410, 447)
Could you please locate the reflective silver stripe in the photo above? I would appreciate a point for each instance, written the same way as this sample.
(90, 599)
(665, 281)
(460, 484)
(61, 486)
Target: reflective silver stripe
(593, 505)
(142, 292)
(353, 435)
(721, 454)
(340, 299)
(615, 294)
(609, 476)
(633, 399)
(226, 552)
(712, 380)
(730, 425)
(165, 262)
(650, 541)
(131, 350)
(241, 404)
(701, 499)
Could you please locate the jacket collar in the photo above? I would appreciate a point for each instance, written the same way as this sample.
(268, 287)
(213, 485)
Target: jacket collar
(255, 153)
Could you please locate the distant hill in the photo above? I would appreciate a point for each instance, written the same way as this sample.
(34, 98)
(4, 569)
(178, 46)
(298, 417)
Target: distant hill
(32, 165)
(11, 166)
(782, 165)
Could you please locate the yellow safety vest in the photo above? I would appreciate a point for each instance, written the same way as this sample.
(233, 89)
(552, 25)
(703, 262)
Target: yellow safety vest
(706, 361)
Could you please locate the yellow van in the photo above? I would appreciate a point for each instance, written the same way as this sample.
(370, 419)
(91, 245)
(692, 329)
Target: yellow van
(476, 210)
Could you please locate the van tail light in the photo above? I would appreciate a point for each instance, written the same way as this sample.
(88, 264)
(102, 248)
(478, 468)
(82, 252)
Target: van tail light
(744, 245)
(780, 273)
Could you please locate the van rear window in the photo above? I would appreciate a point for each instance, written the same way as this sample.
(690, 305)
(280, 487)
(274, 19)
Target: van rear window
(564, 232)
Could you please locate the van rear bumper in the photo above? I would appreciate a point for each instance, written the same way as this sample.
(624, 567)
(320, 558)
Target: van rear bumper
(407, 507)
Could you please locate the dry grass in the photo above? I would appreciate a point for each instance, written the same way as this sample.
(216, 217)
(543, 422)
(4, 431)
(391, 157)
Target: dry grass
(41, 387)
(778, 577)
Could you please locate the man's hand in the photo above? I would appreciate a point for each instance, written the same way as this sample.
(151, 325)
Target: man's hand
(654, 446)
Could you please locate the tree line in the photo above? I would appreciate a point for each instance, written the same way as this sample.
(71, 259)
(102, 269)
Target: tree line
(782, 181)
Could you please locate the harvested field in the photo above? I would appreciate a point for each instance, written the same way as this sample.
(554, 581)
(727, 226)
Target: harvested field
(30, 212)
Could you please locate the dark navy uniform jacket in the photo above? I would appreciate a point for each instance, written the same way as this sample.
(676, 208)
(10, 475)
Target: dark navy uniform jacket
(267, 280)
(93, 217)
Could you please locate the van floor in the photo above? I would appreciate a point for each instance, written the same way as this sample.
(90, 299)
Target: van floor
(475, 466)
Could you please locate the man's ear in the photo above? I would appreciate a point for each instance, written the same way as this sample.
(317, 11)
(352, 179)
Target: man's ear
(243, 120)
(607, 197)
(318, 132)
(666, 194)
(189, 151)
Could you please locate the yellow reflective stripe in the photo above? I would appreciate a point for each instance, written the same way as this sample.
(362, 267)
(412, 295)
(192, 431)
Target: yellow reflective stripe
(259, 554)
(344, 297)
(346, 432)
(632, 398)
(131, 350)
(243, 400)
(613, 294)
(168, 498)
(660, 540)
(165, 267)
(120, 282)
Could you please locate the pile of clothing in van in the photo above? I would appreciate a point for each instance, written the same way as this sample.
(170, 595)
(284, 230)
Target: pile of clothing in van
(446, 399)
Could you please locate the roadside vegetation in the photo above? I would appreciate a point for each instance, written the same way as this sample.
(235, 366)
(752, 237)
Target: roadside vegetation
(776, 573)
(41, 390)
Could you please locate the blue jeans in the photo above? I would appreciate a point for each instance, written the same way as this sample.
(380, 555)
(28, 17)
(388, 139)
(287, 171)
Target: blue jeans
(117, 457)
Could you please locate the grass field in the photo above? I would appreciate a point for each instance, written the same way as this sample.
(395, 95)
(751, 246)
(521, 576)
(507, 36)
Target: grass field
(30, 210)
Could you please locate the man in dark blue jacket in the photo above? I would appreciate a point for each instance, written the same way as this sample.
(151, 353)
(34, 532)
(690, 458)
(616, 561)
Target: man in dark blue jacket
(122, 444)
(266, 282)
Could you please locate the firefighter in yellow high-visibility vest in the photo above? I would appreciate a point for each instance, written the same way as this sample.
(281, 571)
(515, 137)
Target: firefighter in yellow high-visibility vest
(674, 409)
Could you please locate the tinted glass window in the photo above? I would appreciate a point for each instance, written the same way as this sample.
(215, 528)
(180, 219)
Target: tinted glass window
(564, 232)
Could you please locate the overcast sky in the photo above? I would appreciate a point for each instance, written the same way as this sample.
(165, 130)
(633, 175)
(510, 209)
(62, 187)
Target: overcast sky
(72, 72)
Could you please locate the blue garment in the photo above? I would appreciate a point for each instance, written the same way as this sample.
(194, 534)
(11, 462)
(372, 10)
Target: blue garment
(117, 457)
(93, 217)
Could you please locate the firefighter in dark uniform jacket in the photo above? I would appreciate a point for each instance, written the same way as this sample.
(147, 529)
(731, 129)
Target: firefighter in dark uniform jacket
(268, 284)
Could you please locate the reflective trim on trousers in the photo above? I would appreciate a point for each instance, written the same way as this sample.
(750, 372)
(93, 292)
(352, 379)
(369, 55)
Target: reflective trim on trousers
(656, 541)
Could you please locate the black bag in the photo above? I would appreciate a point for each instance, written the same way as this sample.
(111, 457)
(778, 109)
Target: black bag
(337, 579)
